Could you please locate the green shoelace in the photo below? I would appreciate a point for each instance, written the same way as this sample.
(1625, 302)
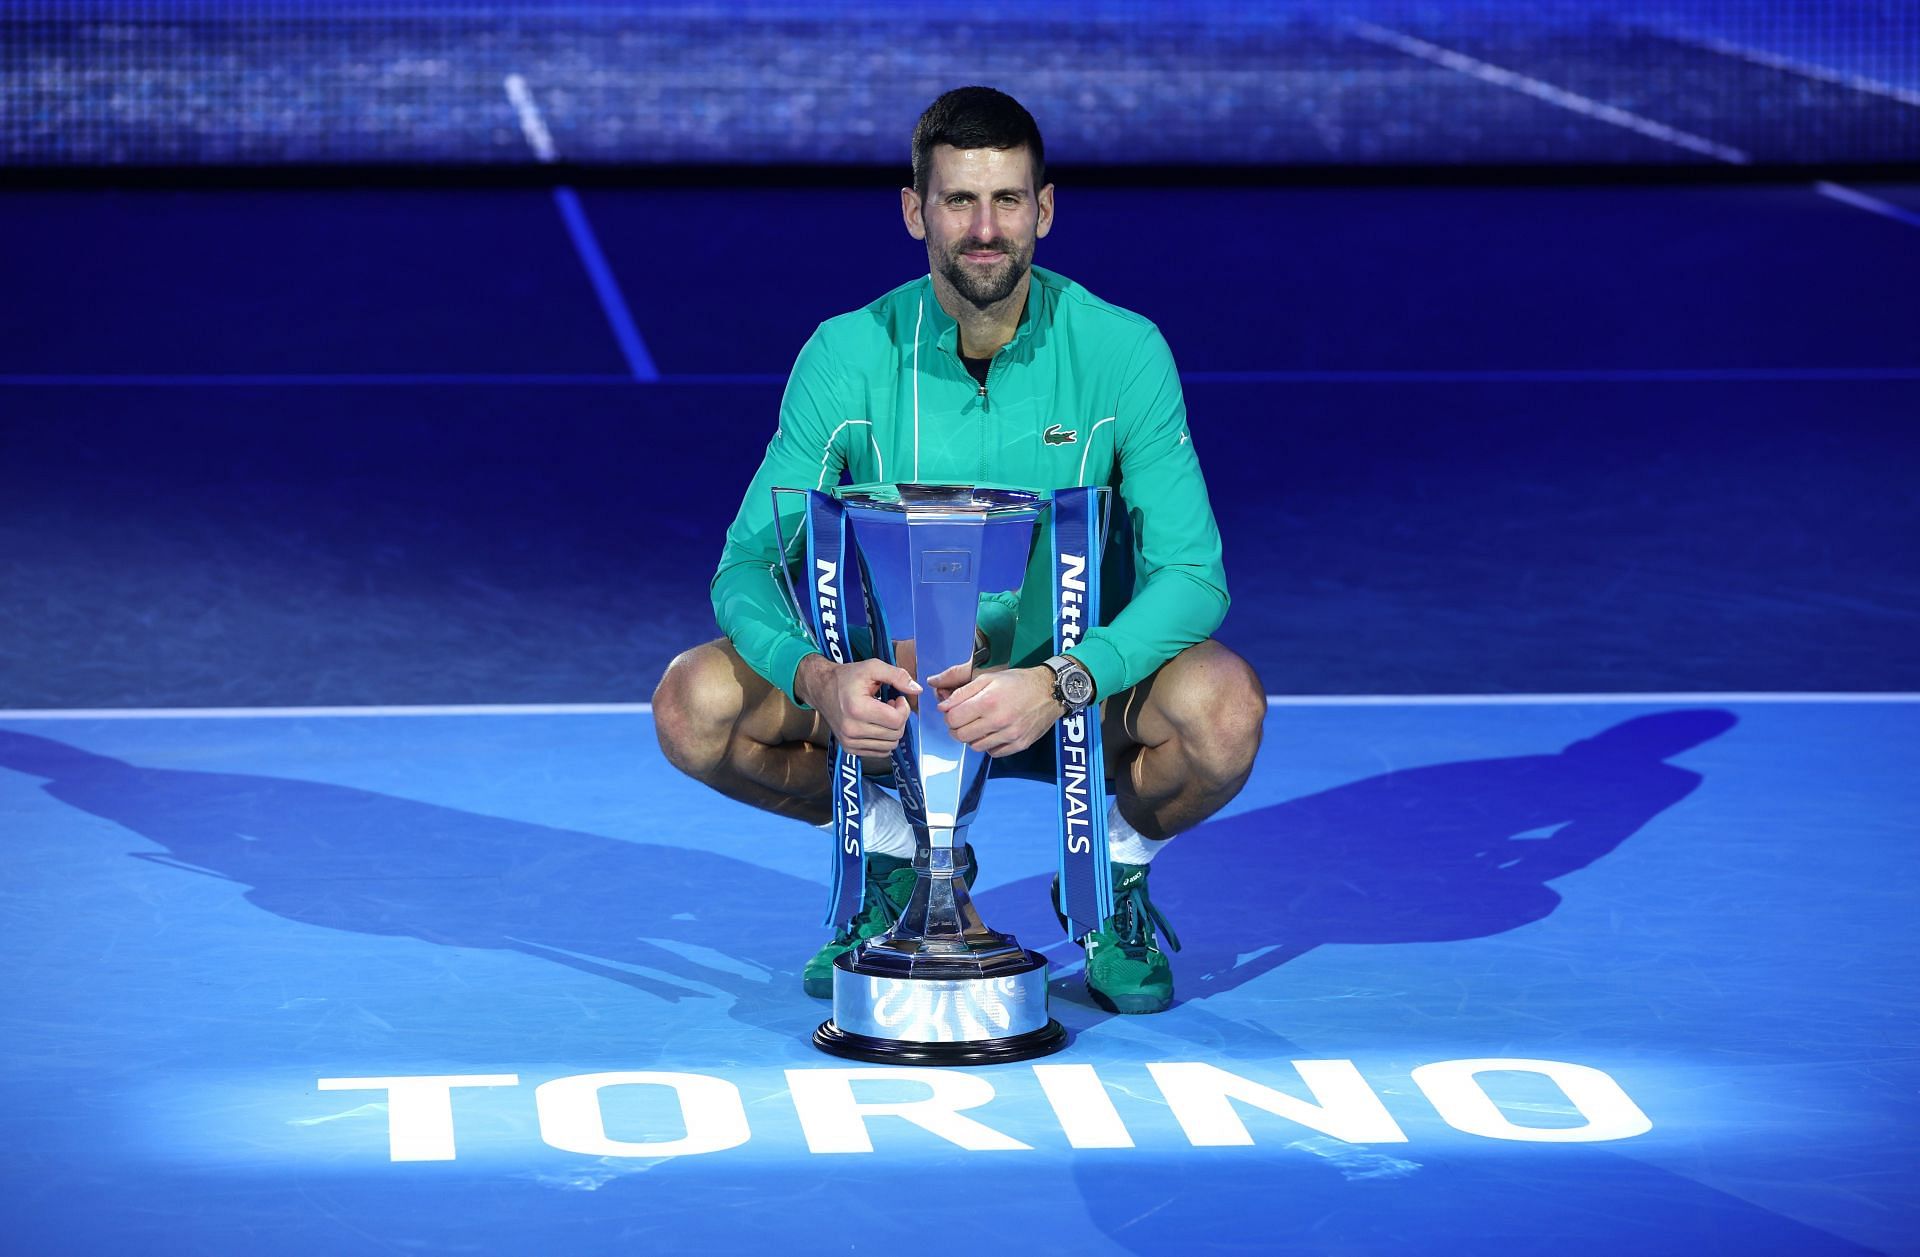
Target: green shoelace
(1135, 918)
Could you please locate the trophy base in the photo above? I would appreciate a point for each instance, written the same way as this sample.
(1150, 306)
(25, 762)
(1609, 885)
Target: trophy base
(940, 1020)
(1045, 1041)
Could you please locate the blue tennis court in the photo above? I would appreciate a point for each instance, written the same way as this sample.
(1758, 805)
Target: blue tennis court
(314, 982)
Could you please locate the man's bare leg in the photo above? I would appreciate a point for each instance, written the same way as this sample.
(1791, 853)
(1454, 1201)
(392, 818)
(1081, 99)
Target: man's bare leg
(722, 724)
(1182, 742)
(1184, 739)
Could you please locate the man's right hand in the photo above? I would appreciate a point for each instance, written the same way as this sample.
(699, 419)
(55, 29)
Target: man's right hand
(847, 696)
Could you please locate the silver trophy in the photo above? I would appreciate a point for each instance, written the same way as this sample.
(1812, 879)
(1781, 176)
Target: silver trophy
(940, 987)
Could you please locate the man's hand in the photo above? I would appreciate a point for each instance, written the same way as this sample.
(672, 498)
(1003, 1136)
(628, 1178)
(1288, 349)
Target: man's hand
(999, 712)
(847, 695)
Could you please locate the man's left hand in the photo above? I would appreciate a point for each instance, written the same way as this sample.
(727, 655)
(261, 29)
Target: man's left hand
(998, 713)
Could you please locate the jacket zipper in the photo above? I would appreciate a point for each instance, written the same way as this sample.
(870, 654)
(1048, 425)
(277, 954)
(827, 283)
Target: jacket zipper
(984, 408)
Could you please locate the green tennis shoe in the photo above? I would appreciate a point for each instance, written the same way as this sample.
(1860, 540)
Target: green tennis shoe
(1126, 970)
(889, 888)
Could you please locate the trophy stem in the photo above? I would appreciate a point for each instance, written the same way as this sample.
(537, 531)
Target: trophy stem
(940, 933)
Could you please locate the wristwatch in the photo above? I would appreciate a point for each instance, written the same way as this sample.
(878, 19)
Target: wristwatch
(1072, 684)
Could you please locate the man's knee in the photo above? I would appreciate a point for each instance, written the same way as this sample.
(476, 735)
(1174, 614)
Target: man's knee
(696, 707)
(1217, 706)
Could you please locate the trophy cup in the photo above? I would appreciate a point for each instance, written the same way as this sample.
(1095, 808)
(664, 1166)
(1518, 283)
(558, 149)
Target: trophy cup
(901, 570)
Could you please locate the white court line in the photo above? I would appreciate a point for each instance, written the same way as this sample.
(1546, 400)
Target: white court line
(532, 125)
(1871, 204)
(1490, 73)
(275, 713)
(1273, 700)
(613, 303)
(1572, 101)
(1806, 69)
(1576, 700)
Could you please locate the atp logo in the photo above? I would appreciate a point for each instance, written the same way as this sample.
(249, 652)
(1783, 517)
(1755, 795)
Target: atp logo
(1057, 435)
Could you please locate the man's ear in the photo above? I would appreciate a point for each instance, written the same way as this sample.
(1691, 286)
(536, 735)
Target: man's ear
(910, 214)
(1045, 223)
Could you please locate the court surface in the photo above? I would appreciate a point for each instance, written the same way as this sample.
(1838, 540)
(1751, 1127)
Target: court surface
(1707, 901)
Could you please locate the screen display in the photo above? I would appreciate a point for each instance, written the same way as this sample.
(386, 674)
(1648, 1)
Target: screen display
(1111, 82)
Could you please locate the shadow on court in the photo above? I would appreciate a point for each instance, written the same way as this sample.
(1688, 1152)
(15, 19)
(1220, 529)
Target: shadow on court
(670, 923)
(1442, 852)
(1422, 855)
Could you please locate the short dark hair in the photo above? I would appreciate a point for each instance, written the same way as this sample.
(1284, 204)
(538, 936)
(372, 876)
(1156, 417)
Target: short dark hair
(976, 117)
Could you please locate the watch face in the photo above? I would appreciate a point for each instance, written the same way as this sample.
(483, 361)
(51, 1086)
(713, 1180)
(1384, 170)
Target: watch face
(1076, 687)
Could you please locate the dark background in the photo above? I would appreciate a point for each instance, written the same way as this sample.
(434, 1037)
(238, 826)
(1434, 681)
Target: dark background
(378, 446)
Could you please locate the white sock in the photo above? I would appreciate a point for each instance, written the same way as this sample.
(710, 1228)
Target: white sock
(1127, 845)
(888, 832)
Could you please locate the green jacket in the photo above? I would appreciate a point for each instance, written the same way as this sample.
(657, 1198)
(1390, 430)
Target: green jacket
(1084, 393)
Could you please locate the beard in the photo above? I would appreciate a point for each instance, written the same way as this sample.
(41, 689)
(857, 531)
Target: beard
(984, 286)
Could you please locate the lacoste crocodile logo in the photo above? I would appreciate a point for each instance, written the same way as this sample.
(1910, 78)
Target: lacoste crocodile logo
(1056, 435)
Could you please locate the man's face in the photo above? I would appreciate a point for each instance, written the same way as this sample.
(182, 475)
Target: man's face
(980, 218)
